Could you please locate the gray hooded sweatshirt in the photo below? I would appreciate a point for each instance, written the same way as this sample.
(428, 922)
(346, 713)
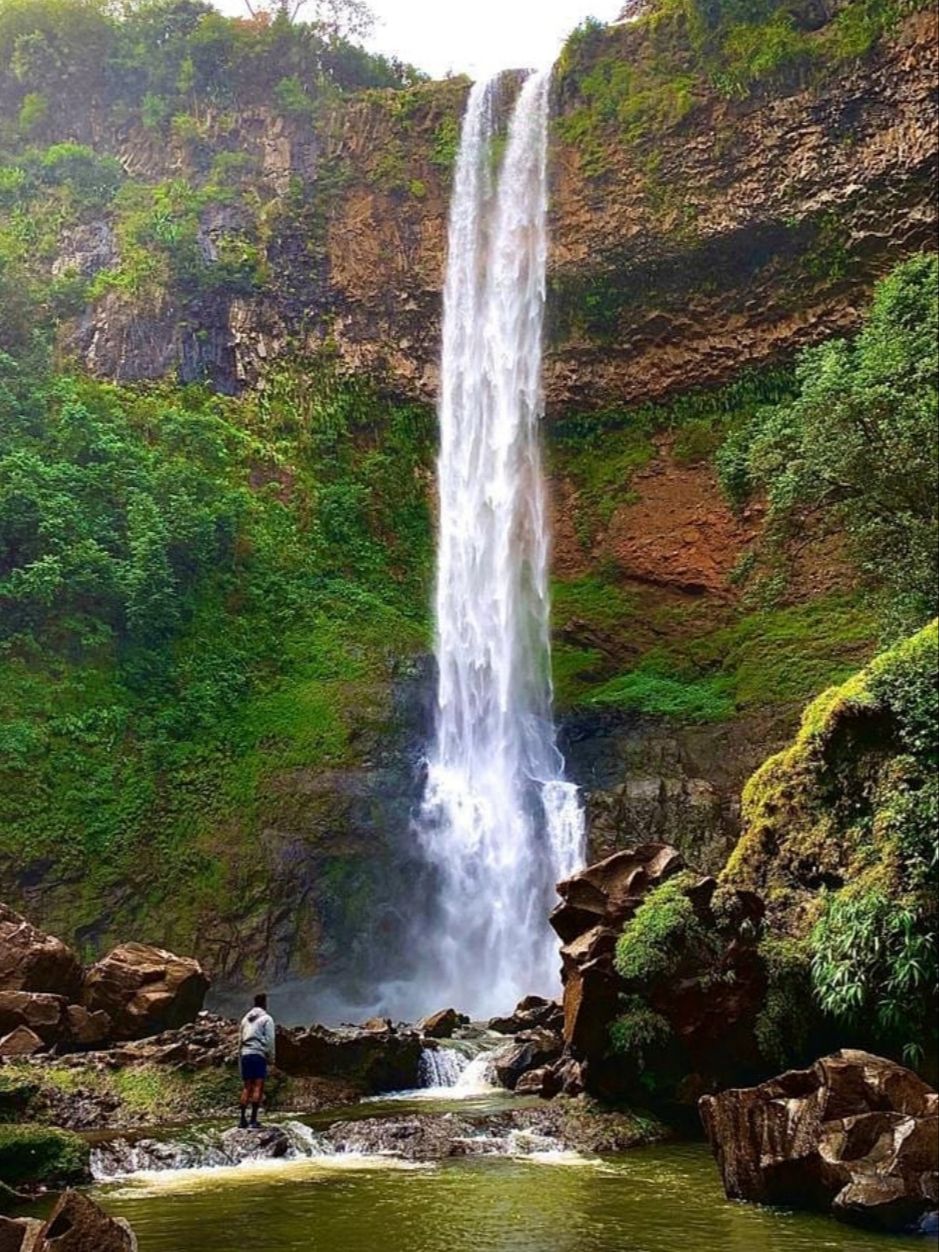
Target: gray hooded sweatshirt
(257, 1033)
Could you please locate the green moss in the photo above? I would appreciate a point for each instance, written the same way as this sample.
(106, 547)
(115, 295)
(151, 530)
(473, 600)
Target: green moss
(839, 834)
(41, 1155)
(664, 930)
(17, 1090)
(654, 691)
(639, 1032)
(784, 1023)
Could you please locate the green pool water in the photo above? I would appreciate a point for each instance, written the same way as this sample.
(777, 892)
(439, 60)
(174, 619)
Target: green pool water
(664, 1199)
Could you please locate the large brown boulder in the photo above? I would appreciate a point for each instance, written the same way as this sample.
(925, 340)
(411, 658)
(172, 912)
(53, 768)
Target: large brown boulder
(20, 1235)
(442, 1025)
(704, 999)
(45, 1015)
(77, 1224)
(374, 1061)
(31, 960)
(855, 1135)
(145, 990)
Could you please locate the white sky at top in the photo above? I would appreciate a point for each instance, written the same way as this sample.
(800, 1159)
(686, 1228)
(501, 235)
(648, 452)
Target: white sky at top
(475, 37)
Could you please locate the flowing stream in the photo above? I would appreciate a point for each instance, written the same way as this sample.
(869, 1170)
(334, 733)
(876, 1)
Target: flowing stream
(651, 1200)
(499, 823)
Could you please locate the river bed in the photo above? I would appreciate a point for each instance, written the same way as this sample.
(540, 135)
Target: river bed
(665, 1198)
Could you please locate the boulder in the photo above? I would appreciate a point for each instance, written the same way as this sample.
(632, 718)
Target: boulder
(145, 990)
(375, 1061)
(20, 1235)
(33, 961)
(442, 1025)
(855, 1135)
(45, 1015)
(77, 1224)
(531, 1013)
(543, 1082)
(85, 1029)
(20, 1042)
(707, 999)
(532, 1049)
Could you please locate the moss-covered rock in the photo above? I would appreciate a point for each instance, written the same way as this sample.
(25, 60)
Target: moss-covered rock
(840, 839)
(42, 1156)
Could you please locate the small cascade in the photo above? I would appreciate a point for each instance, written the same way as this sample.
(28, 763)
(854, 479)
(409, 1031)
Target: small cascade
(479, 1076)
(201, 1149)
(442, 1068)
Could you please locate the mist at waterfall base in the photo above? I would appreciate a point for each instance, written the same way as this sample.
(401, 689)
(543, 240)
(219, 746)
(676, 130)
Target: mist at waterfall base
(497, 826)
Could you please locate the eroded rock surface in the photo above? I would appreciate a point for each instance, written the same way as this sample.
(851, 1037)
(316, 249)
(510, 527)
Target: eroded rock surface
(705, 998)
(145, 990)
(33, 961)
(855, 1134)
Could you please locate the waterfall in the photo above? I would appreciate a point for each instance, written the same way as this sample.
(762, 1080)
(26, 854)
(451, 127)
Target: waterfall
(441, 1067)
(499, 823)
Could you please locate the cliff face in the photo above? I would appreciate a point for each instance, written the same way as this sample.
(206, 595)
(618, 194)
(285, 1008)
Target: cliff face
(702, 241)
(789, 203)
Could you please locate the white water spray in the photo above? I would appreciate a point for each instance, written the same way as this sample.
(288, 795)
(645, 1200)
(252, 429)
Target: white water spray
(499, 823)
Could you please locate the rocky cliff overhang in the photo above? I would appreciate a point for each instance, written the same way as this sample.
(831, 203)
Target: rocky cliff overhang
(733, 236)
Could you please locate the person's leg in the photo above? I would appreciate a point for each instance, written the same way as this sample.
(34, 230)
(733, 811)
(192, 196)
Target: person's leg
(244, 1102)
(257, 1097)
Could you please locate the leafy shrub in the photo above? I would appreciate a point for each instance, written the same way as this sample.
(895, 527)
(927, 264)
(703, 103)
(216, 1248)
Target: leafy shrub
(664, 930)
(860, 444)
(31, 1155)
(639, 1032)
(875, 962)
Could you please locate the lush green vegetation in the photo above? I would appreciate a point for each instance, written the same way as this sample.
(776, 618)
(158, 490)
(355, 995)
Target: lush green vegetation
(598, 453)
(845, 444)
(166, 59)
(40, 1155)
(840, 832)
(191, 590)
(693, 49)
(858, 446)
(664, 932)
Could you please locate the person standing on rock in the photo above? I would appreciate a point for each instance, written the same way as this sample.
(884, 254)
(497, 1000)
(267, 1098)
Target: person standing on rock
(257, 1053)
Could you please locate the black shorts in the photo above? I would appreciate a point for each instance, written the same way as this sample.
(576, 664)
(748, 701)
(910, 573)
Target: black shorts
(253, 1067)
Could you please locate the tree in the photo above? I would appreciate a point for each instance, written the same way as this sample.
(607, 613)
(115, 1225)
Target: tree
(337, 19)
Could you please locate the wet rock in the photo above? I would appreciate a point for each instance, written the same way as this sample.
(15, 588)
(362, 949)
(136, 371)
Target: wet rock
(531, 1050)
(379, 1025)
(85, 1029)
(268, 1143)
(77, 1224)
(442, 1025)
(708, 998)
(543, 1082)
(532, 1012)
(856, 1135)
(145, 990)
(20, 1042)
(376, 1061)
(208, 1149)
(31, 960)
(596, 903)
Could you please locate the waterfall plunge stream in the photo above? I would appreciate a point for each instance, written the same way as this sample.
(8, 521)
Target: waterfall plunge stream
(499, 824)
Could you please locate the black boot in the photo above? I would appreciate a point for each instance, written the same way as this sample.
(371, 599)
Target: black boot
(243, 1124)
(255, 1124)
